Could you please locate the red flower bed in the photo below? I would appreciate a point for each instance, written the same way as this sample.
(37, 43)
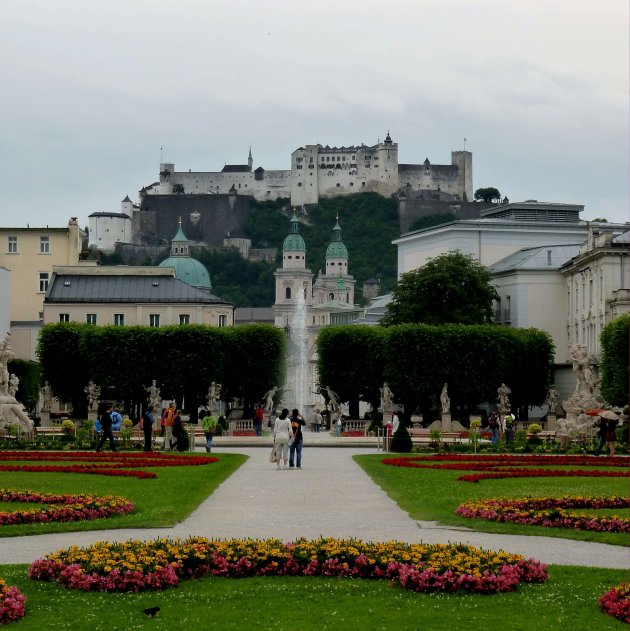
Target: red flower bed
(501, 466)
(12, 603)
(550, 512)
(354, 434)
(243, 432)
(111, 464)
(616, 602)
(63, 507)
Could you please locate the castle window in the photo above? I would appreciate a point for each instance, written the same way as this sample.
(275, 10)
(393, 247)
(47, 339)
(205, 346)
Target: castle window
(343, 158)
(331, 296)
(362, 183)
(287, 293)
(351, 183)
(338, 184)
(299, 183)
(299, 166)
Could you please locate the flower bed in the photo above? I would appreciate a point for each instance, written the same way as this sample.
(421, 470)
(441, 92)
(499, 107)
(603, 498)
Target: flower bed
(354, 434)
(550, 512)
(162, 563)
(111, 464)
(243, 432)
(62, 507)
(12, 603)
(616, 602)
(503, 466)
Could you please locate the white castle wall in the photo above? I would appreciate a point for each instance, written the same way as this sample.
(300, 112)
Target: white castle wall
(318, 171)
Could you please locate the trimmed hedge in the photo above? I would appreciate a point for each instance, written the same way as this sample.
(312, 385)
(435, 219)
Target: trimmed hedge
(614, 360)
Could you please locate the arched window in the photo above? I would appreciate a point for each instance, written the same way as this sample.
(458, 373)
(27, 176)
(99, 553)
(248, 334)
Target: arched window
(287, 293)
(331, 296)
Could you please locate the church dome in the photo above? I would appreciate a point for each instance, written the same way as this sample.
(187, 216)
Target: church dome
(189, 270)
(337, 249)
(294, 242)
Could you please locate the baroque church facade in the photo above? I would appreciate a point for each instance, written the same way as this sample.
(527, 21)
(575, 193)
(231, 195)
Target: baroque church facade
(323, 171)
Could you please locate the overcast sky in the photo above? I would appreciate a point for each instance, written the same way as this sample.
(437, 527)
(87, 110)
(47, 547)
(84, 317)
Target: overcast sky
(92, 90)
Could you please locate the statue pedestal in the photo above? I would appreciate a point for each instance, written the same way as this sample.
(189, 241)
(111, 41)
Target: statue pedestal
(446, 421)
(92, 415)
(551, 423)
(44, 419)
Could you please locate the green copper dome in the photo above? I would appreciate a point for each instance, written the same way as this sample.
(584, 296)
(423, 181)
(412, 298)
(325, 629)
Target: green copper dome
(189, 270)
(294, 241)
(337, 248)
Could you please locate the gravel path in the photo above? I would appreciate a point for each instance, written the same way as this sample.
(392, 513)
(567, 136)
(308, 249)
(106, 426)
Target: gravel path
(330, 496)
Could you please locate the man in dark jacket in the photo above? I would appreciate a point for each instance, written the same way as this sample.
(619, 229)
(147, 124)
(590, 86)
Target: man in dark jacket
(106, 429)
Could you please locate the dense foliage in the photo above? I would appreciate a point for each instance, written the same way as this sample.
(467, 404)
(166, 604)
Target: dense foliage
(488, 194)
(237, 280)
(614, 361)
(432, 220)
(416, 361)
(450, 288)
(184, 360)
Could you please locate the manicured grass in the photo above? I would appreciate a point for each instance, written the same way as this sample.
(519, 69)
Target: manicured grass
(433, 495)
(163, 501)
(567, 601)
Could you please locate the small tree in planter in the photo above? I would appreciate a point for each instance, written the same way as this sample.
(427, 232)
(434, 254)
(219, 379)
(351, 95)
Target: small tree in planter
(401, 441)
(473, 437)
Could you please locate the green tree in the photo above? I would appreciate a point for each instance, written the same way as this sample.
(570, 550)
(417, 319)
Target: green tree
(614, 360)
(29, 374)
(178, 189)
(488, 194)
(450, 288)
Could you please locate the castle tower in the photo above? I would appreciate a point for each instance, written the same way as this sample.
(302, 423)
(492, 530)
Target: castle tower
(250, 160)
(293, 276)
(463, 161)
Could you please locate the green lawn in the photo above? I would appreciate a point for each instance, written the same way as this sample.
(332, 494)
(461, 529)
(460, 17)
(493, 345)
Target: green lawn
(567, 601)
(433, 495)
(162, 501)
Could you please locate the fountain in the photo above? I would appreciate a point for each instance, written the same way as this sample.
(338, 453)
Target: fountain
(297, 382)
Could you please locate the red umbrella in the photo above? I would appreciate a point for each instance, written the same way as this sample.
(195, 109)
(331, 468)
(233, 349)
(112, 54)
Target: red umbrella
(595, 412)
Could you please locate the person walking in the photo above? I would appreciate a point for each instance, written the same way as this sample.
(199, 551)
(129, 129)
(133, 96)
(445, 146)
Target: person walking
(209, 426)
(493, 426)
(295, 448)
(147, 428)
(106, 429)
(116, 419)
(611, 427)
(169, 419)
(281, 436)
(601, 434)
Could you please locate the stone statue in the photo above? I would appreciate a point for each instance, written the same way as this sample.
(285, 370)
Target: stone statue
(445, 400)
(155, 398)
(93, 393)
(334, 399)
(504, 402)
(552, 400)
(268, 398)
(14, 383)
(582, 369)
(11, 410)
(214, 394)
(388, 397)
(47, 398)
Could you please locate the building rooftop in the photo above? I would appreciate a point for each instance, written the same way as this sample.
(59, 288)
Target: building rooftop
(546, 257)
(98, 288)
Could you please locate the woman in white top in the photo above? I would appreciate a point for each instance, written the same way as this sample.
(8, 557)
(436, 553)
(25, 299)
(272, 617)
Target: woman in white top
(281, 436)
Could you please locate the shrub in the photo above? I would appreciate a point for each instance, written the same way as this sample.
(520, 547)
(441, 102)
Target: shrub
(534, 428)
(401, 441)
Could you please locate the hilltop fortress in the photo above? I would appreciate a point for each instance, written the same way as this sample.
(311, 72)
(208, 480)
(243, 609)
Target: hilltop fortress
(318, 171)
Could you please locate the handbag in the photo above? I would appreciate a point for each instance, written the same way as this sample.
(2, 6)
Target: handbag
(272, 455)
(291, 440)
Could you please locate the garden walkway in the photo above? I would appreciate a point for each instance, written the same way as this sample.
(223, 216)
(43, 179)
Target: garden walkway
(330, 496)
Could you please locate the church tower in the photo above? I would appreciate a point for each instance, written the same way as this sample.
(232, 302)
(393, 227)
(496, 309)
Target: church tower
(293, 276)
(335, 283)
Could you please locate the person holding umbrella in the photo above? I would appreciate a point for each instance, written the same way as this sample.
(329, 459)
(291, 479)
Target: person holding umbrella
(608, 421)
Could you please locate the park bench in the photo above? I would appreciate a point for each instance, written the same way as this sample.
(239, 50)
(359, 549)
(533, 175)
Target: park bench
(423, 436)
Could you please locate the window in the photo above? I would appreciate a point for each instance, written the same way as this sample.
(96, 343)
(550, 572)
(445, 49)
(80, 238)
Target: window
(184, 318)
(119, 319)
(43, 281)
(64, 317)
(90, 318)
(44, 245)
(154, 319)
(287, 293)
(222, 320)
(12, 245)
(508, 308)
(331, 296)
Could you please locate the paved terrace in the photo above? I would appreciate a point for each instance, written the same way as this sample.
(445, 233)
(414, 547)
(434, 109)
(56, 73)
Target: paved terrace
(330, 496)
